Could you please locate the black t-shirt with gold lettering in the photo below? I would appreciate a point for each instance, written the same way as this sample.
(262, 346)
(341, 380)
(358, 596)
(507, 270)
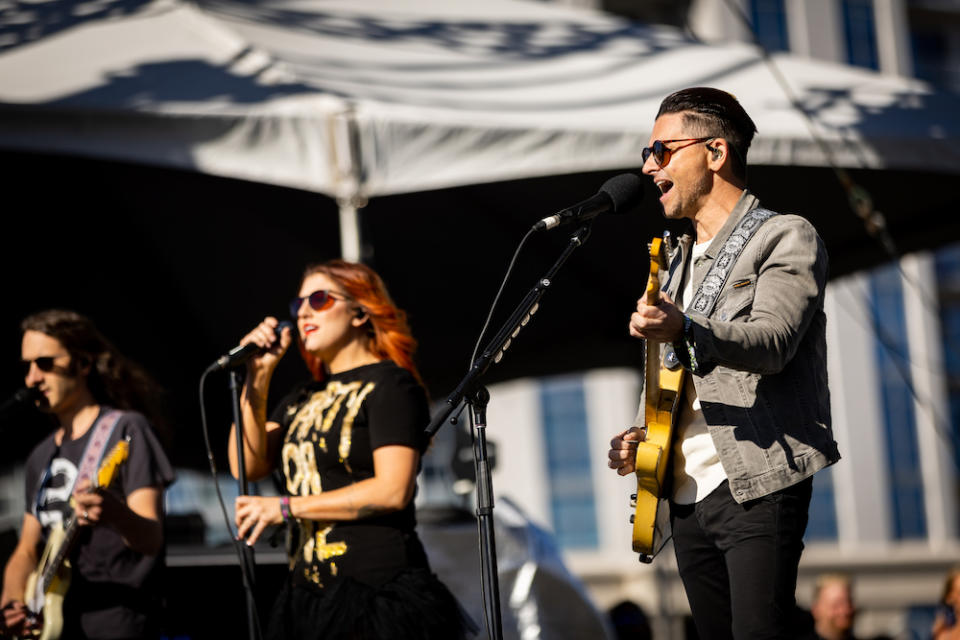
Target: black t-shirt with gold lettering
(331, 430)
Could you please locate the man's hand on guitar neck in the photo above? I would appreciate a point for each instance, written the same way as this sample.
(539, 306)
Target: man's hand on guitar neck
(662, 322)
(623, 450)
(95, 505)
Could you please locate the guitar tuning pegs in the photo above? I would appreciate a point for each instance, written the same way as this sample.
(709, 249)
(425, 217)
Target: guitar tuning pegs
(633, 502)
(631, 519)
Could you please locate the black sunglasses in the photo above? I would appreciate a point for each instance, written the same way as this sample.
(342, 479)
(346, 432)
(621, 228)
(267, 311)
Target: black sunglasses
(44, 363)
(319, 300)
(661, 154)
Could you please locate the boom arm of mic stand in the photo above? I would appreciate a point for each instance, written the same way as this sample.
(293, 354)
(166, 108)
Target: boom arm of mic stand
(470, 391)
(502, 340)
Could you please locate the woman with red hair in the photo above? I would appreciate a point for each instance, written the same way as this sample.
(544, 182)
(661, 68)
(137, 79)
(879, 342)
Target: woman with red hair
(348, 444)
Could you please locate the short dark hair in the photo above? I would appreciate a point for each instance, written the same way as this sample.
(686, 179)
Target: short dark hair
(713, 112)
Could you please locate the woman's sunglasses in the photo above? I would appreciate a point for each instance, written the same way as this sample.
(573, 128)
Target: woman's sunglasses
(319, 300)
(661, 154)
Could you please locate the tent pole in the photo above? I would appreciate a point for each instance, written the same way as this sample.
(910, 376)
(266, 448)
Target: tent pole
(349, 229)
(347, 163)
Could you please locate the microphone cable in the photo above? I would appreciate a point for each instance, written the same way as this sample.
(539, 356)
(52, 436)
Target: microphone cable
(486, 325)
(496, 299)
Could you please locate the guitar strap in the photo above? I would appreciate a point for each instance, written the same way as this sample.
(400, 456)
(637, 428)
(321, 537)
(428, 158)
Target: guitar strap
(96, 446)
(711, 286)
(703, 303)
(709, 290)
(92, 452)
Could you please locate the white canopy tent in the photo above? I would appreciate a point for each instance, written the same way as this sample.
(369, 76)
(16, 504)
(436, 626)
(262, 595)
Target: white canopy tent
(361, 98)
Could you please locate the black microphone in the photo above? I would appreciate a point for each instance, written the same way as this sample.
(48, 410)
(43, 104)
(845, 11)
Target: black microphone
(25, 395)
(240, 354)
(617, 194)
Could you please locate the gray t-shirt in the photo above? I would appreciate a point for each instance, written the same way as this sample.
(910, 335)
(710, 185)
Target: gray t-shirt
(114, 590)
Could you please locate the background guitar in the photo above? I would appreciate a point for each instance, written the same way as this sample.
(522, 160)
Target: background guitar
(47, 585)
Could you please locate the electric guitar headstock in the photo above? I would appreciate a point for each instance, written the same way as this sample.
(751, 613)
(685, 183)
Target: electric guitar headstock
(112, 461)
(659, 261)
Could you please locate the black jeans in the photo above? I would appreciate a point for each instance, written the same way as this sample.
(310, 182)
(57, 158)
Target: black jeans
(738, 562)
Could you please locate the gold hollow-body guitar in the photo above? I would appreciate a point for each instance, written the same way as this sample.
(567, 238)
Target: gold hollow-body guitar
(47, 585)
(662, 390)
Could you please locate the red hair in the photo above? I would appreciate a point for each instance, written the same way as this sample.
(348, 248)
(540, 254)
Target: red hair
(389, 336)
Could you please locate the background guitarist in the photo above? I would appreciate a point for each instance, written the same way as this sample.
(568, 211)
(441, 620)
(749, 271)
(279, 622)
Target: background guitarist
(754, 422)
(114, 582)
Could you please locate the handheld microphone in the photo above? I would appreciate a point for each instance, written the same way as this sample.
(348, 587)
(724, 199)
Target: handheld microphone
(617, 194)
(25, 395)
(240, 354)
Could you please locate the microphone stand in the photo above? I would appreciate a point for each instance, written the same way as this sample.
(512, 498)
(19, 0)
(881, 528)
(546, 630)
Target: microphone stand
(245, 551)
(477, 396)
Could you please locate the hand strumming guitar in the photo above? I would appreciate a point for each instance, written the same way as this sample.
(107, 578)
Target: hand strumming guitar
(623, 450)
(15, 621)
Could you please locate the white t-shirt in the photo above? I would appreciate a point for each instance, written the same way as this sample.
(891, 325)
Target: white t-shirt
(696, 465)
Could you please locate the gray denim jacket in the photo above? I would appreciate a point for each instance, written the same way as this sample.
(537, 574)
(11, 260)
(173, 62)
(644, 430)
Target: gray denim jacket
(759, 361)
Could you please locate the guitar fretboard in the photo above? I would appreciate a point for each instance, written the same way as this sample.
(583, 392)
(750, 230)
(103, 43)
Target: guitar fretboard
(53, 567)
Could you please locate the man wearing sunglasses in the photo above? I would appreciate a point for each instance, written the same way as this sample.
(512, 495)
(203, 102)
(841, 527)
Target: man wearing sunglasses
(741, 311)
(90, 391)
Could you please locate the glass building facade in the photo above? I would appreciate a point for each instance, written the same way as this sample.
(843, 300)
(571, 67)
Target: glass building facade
(769, 20)
(572, 497)
(859, 32)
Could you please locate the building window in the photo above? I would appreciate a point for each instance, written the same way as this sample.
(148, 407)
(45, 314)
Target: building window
(822, 523)
(770, 24)
(935, 42)
(572, 502)
(861, 36)
(930, 55)
(900, 429)
(920, 620)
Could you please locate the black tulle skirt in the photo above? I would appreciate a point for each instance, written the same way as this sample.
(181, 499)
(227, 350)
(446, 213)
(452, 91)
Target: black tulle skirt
(413, 606)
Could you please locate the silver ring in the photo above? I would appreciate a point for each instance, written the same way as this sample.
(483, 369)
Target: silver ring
(86, 515)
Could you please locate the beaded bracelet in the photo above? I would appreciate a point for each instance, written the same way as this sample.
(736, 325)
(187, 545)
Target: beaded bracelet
(688, 341)
(285, 508)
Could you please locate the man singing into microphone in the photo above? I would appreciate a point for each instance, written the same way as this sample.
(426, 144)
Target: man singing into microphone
(91, 392)
(742, 308)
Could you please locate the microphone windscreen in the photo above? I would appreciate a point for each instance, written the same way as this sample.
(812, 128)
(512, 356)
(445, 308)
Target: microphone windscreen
(625, 190)
(28, 394)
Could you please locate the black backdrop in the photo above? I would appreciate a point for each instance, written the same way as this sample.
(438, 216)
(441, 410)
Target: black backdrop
(176, 266)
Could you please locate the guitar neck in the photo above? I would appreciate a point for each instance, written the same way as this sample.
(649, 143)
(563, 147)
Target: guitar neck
(653, 288)
(652, 296)
(53, 567)
(657, 262)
